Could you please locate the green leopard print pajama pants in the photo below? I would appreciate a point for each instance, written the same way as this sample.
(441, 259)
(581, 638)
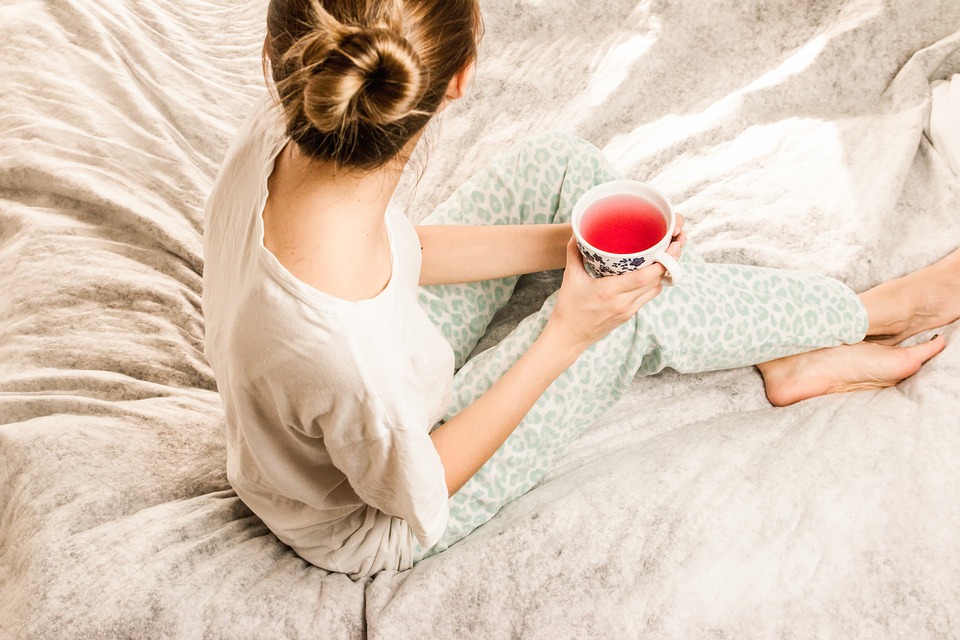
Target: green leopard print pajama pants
(720, 316)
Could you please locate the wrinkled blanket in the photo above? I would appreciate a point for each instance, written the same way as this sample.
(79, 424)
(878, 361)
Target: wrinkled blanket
(790, 134)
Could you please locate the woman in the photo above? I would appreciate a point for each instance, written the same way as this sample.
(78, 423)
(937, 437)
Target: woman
(335, 328)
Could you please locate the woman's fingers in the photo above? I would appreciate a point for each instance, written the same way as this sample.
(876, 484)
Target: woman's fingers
(676, 247)
(573, 253)
(629, 284)
(574, 258)
(636, 282)
(647, 296)
(679, 240)
(589, 308)
(650, 276)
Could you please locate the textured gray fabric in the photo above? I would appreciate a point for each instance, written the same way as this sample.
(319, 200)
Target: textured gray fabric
(789, 134)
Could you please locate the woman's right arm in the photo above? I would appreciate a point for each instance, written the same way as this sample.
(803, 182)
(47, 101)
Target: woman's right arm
(587, 309)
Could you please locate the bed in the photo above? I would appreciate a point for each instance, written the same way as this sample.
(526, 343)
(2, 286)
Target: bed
(790, 134)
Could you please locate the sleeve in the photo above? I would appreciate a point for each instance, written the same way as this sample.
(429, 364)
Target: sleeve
(379, 441)
(391, 463)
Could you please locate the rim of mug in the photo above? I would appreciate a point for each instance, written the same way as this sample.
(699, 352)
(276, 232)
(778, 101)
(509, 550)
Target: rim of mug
(623, 187)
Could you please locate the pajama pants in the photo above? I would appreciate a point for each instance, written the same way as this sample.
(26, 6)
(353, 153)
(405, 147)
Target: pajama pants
(720, 316)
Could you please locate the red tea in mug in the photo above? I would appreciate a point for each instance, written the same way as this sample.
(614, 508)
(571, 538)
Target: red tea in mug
(623, 224)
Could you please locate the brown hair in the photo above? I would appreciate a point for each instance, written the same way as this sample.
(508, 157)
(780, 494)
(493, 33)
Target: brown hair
(357, 79)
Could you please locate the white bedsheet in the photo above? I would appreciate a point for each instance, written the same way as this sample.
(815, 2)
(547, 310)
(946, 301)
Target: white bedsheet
(943, 127)
(790, 134)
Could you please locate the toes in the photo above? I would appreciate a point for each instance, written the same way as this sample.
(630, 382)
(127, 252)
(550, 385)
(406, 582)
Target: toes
(926, 350)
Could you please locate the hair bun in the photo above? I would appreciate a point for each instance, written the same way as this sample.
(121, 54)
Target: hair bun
(357, 80)
(360, 74)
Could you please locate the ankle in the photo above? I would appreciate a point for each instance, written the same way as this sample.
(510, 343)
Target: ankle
(890, 308)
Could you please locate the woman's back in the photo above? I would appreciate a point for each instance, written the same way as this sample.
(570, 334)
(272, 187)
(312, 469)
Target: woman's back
(321, 393)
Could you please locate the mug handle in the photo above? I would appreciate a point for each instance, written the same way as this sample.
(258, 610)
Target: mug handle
(674, 270)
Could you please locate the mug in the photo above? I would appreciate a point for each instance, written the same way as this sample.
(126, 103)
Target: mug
(621, 213)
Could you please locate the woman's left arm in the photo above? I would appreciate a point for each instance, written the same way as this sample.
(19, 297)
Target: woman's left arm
(467, 253)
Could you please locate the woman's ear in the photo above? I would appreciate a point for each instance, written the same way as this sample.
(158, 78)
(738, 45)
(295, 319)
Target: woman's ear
(460, 82)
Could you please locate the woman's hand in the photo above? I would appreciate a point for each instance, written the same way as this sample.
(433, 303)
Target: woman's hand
(588, 308)
(679, 239)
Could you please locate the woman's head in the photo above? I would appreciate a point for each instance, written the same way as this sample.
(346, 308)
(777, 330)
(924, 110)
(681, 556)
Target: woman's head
(358, 79)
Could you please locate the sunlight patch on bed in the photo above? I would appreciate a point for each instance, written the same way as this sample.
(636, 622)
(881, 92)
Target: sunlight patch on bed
(770, 181)
(672, 129)
(793, 65)
(615, 65)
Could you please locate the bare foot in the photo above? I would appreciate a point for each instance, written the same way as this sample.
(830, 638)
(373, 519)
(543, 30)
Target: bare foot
(864, 365)
(918, 301)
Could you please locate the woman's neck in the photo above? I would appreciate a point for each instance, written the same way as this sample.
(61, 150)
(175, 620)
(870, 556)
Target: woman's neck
(326, 225)
(330, 189)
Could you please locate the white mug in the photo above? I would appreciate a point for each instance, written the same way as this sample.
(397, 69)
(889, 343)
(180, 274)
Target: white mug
(599, 263)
